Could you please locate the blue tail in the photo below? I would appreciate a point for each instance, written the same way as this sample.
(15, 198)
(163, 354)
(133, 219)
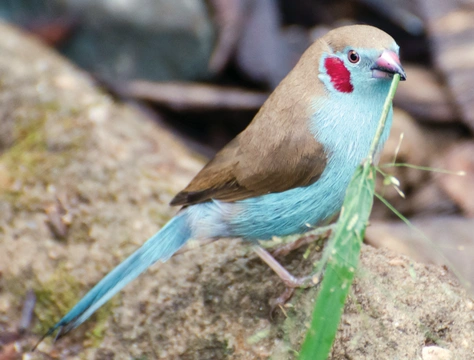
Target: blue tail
(160, 246)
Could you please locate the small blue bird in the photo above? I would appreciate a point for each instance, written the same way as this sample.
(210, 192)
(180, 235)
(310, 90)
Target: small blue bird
(288, 169)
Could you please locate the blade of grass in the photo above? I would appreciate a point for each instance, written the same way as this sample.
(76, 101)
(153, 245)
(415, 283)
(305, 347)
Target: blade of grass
(341, 265)
(343, 252)
(425, 168)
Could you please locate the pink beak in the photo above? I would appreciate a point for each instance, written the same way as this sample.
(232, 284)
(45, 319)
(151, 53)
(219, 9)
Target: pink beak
(388, 64)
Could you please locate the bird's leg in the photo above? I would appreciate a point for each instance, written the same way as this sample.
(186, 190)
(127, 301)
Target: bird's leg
(289, 280)
(321, 232)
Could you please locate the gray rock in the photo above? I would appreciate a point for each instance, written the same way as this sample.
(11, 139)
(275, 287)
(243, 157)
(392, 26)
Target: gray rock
(149, 39)
(129, 39)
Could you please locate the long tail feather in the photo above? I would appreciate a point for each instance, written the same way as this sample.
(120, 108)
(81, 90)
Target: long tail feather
(161, 246)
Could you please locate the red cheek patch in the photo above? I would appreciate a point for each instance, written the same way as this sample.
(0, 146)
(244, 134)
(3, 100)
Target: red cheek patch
(340, 76)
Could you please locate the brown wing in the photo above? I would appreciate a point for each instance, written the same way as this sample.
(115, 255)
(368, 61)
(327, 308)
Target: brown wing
(266, 157)
(276, 152)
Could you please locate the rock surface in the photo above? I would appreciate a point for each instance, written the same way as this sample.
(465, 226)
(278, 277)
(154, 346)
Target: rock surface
(84, 181)
(445, 241)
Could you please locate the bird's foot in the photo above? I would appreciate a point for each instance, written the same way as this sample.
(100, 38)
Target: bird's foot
(288, 279)
(281, 301)
(291, 285)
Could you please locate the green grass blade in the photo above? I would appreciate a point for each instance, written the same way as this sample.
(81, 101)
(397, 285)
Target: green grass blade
(341, 265)
(343, 252)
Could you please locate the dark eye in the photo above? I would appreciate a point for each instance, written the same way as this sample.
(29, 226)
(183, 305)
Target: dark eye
(353, 56)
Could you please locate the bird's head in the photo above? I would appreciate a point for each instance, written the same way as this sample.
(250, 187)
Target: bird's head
(358, 58)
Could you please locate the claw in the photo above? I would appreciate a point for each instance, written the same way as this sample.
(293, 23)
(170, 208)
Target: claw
(281, 301)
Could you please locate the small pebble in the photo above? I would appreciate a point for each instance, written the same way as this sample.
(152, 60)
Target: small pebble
(435, 353)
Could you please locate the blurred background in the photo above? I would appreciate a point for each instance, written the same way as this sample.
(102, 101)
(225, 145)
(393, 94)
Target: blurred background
(207, 66)
(204, 67)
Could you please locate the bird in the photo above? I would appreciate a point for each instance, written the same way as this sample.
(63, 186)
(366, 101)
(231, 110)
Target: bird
(288, 171)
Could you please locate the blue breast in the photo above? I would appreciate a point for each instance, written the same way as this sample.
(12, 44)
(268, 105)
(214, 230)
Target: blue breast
(346, 136)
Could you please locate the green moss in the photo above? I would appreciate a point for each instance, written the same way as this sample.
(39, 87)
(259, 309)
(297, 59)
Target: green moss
(31, 151)
(259, 336)
(54, 298)
(57, 296)
(97, 333)
(33, 160)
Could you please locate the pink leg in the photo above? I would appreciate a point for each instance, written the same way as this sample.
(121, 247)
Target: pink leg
(289, 280)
